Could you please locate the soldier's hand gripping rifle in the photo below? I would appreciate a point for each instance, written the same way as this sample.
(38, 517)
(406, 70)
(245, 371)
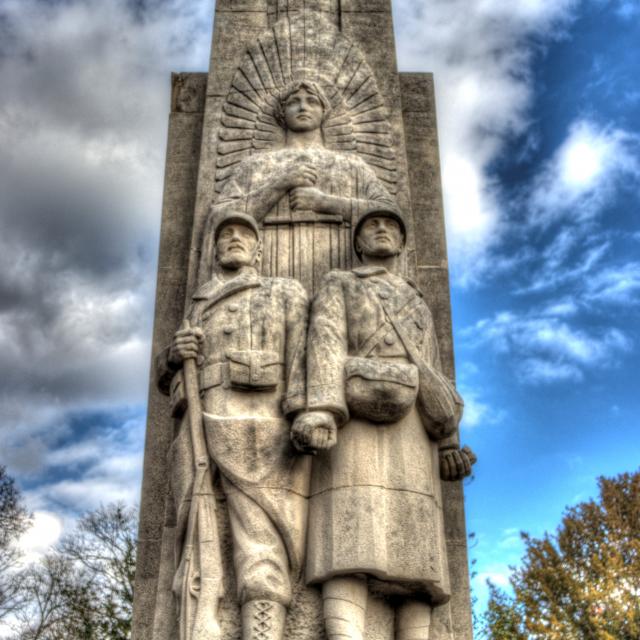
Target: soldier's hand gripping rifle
(201, 587)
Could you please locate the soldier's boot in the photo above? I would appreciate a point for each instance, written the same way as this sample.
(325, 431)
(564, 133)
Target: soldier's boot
(413, 620)
(263, 620)
(345, 608)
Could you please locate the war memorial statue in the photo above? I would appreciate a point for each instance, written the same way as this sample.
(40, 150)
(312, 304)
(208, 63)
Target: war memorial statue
(302, 475)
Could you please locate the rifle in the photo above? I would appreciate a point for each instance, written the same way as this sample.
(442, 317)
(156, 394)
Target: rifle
(201, 587)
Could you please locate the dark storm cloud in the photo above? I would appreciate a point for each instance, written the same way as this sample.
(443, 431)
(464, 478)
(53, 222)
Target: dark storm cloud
(83, 116)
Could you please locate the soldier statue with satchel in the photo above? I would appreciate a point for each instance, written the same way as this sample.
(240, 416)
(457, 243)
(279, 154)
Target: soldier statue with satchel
(382, 419)
(242, 349)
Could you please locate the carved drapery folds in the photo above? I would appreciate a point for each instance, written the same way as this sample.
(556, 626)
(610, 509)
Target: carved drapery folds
(352, 156)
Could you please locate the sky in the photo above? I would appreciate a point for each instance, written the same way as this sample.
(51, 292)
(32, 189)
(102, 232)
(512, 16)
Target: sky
(539, 124)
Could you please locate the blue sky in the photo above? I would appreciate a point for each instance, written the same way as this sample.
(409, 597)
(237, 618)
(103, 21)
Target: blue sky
(539, 114)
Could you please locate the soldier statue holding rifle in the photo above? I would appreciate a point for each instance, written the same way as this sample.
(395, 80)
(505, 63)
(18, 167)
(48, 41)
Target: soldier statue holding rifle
(247, 335)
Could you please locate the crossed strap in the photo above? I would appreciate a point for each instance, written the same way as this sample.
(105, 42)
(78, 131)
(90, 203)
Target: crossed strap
(438, 399)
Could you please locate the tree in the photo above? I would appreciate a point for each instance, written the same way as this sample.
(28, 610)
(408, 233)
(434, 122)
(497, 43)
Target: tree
(503, 617)
(14, 521)
(84, 589)
(583, 582)
(55, 606)
(104, 549)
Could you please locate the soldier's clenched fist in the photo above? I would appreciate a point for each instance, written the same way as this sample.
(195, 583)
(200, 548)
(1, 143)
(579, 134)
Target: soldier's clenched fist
(314, 431)
(455, 464)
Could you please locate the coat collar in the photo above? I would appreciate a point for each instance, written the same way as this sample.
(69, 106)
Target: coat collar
(393, 292)
(217, 289)
(368, 271)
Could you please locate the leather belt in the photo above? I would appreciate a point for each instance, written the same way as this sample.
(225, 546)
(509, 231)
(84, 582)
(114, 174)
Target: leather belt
(216, 374)
(213, 375)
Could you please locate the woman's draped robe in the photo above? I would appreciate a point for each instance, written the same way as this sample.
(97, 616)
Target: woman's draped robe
(304, 245)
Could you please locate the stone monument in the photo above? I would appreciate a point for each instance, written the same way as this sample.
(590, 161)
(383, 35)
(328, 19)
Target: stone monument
(302, 474)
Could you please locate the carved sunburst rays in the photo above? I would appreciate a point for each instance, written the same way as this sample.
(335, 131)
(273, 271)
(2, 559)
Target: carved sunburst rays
(305, 47)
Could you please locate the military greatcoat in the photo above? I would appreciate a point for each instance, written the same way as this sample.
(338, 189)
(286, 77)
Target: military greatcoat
(264, 480)
(376, 505)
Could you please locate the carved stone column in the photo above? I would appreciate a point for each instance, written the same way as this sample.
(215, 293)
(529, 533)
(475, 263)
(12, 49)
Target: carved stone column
(280, 8)
(228, 144)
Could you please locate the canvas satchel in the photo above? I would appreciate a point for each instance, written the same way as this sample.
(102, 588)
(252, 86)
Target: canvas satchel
(379, 390)
(439, 404)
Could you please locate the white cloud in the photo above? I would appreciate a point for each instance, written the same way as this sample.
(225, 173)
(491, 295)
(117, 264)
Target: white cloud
(476, 412)
(91, 469)
(83, 120)
(46, 530)
(569, 259)
(561, 308)
(481, 52)
(627, 9)
(479, 410)
(619, 284)
(545, 349)
(583, 173)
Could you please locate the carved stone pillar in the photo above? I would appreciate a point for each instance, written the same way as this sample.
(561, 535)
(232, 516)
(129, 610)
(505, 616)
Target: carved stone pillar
(281, 8)
(235, 149)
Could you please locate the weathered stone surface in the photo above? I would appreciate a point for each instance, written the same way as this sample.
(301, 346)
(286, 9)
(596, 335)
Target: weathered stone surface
(373, 32)
(234, 32)
(307, 184)
(376, 505)
(309, 135)
(259, 6)
(419, 117)
(249, 334)
(419, 111)
(365, 6)
(183, 155)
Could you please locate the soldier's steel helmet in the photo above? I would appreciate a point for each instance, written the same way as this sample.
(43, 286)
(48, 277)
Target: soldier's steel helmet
(234, 217)
(385, 210)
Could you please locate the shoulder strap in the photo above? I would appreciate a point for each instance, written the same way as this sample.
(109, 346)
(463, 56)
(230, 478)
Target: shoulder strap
(439, 403)
(409, 345)
(378, 335)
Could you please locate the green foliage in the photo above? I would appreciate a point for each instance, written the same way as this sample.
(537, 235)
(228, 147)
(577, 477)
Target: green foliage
(584, 582)
(503, 617)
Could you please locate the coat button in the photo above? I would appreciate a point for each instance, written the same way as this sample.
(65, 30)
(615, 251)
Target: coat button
(228, 331)
(233, 307)
(389, 339)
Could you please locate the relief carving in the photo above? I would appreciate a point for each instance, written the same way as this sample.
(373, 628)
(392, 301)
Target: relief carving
(305, 182)
(247, 334)
(304, 147)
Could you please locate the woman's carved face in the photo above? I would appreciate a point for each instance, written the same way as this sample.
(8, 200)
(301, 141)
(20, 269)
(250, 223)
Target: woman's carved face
(303, 111)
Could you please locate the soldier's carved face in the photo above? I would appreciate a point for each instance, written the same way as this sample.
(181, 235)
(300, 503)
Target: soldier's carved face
(303, 111)
(380, 237)
(237, 246)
